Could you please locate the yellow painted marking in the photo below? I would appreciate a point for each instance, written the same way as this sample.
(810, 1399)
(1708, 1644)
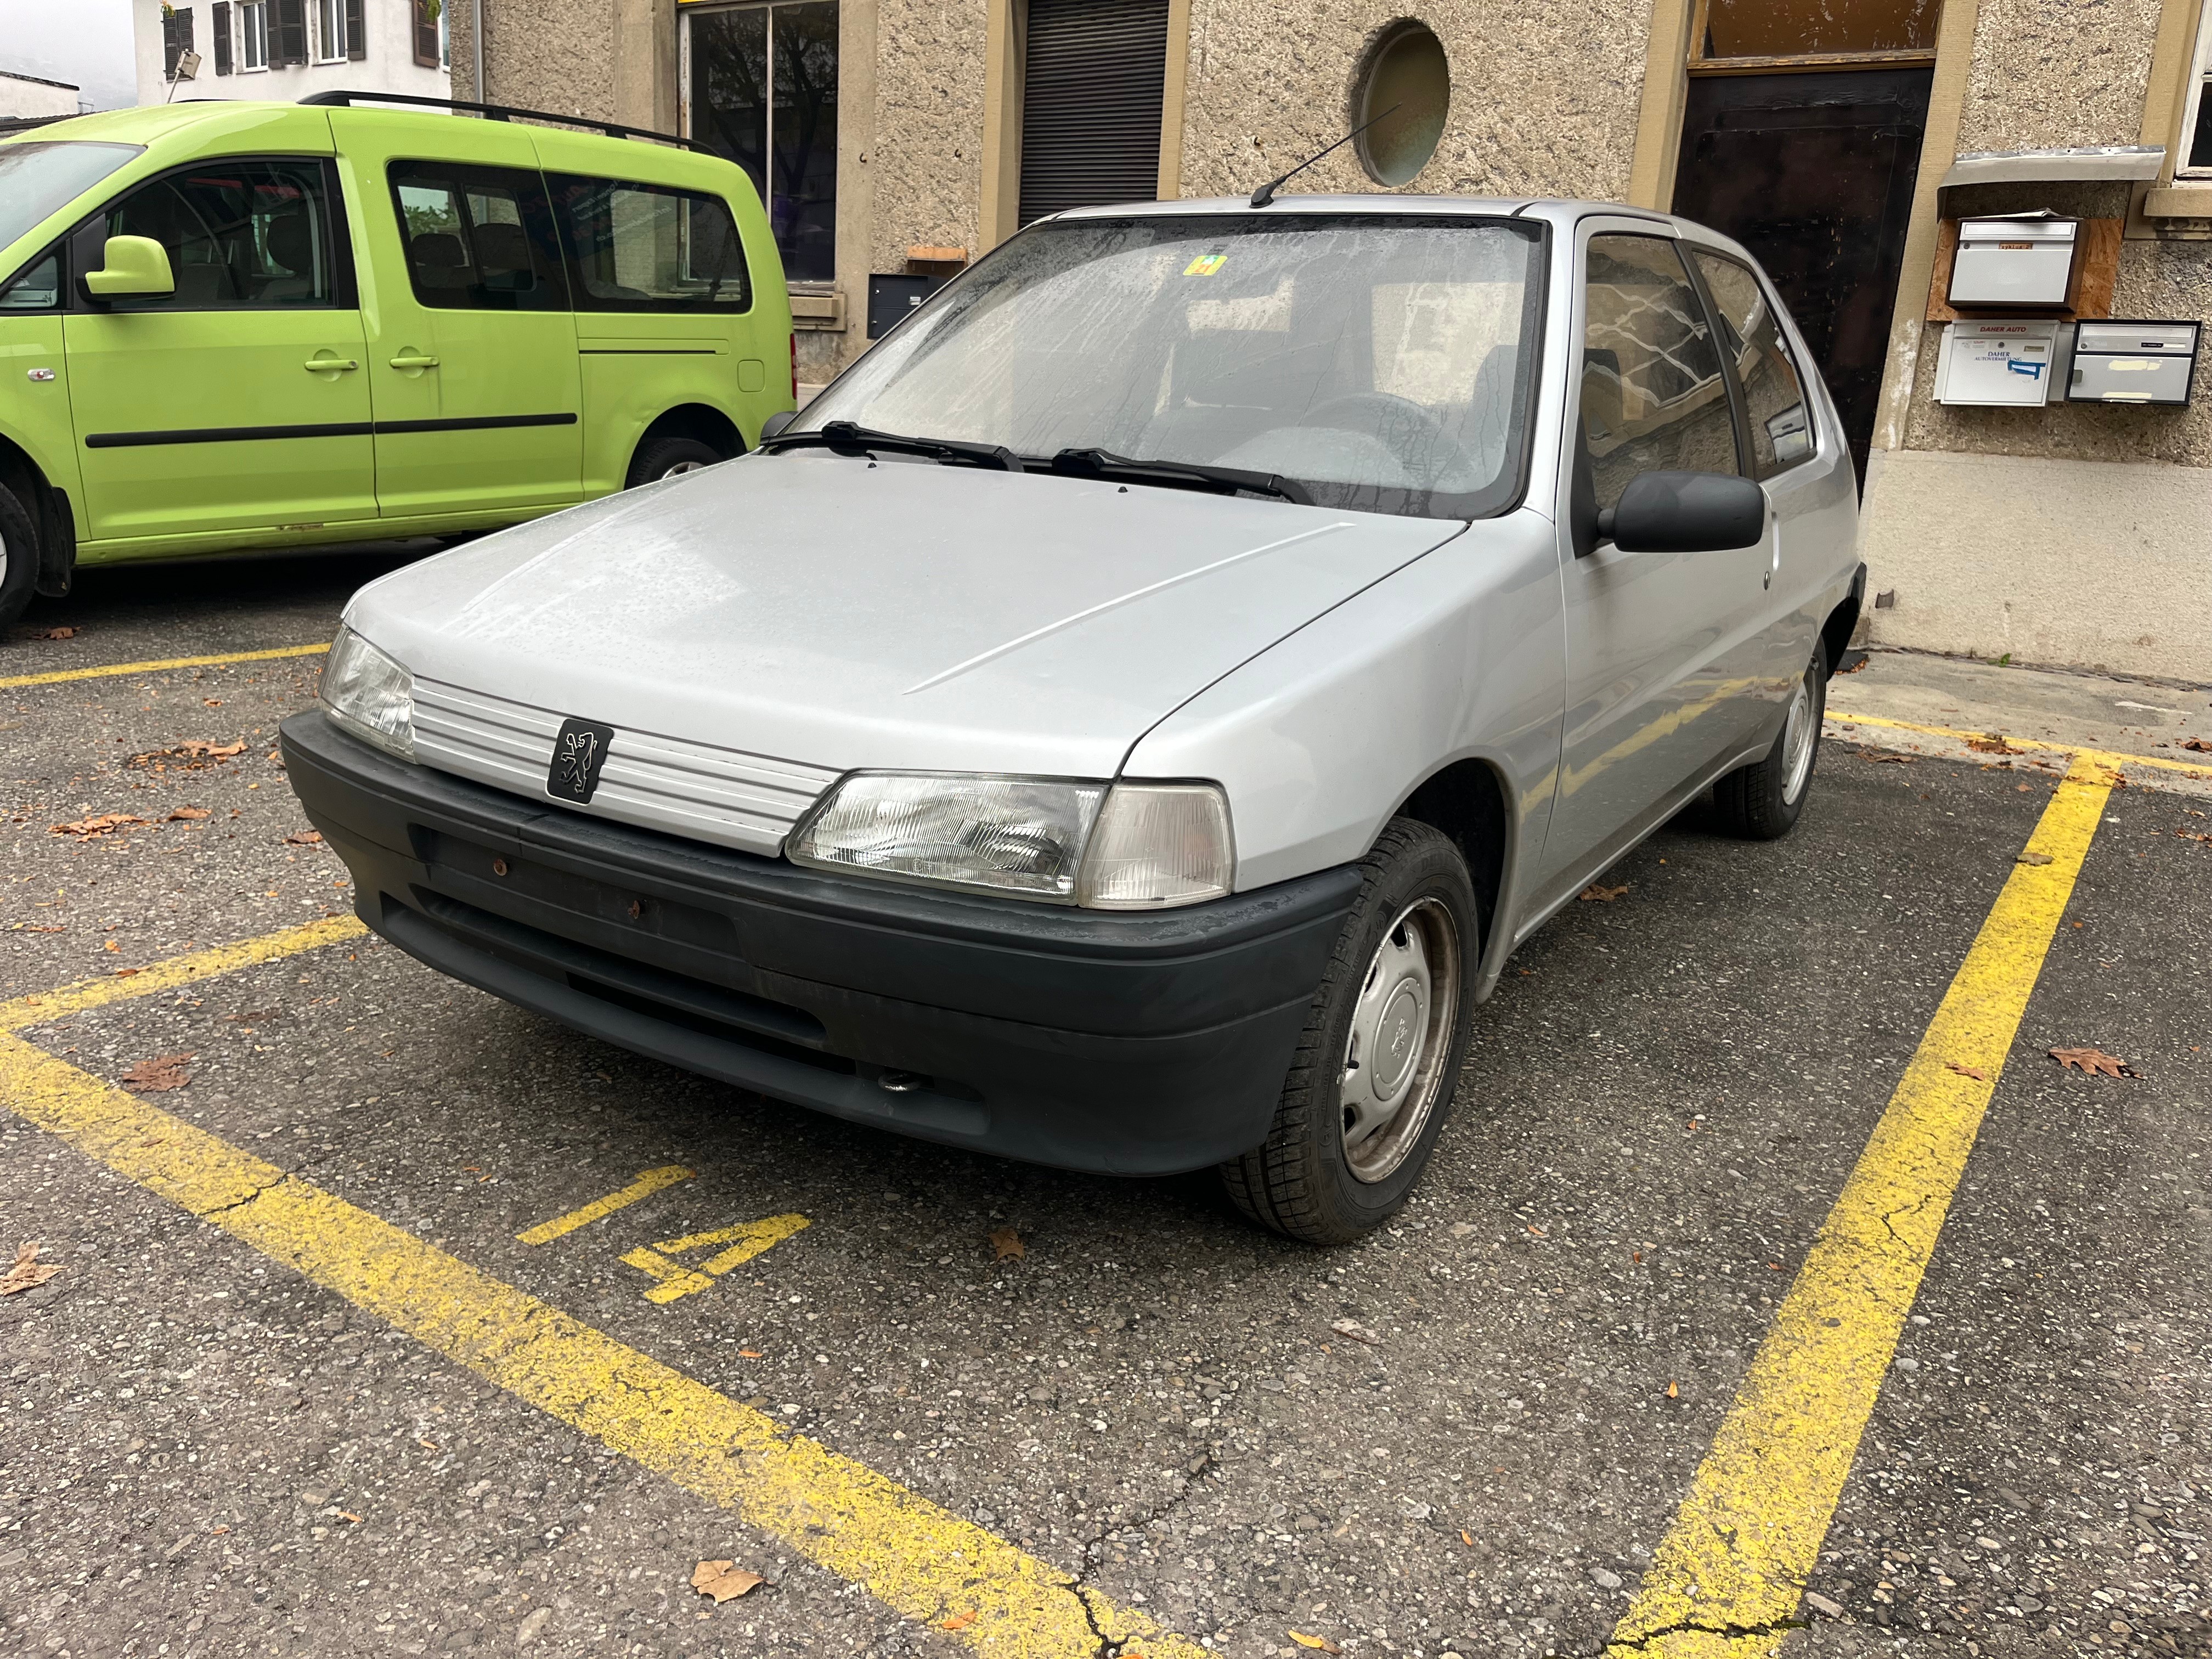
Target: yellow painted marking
(176, 971)
(649, 1182)
(928, 1564)
(118, 668)
(2113, 759)
(746, 1240)
(1732, 1567)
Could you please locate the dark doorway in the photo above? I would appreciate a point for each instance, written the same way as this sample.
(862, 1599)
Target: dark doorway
(1814, 173)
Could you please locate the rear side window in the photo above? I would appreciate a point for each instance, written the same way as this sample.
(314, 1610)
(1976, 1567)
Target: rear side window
(1653, 398)
(1773, 391)
(478, 239)
(645, 247)
(240, 236)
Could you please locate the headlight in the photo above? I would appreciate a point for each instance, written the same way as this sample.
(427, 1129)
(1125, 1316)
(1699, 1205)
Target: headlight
(1123, 847)
(369, 695)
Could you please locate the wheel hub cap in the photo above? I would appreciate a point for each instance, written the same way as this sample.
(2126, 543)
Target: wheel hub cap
(1401, 1032)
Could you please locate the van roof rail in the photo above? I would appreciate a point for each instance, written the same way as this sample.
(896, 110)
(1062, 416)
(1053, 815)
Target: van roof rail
(505, 113)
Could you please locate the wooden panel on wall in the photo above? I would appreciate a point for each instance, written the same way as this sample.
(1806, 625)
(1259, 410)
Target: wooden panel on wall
(2096, 269)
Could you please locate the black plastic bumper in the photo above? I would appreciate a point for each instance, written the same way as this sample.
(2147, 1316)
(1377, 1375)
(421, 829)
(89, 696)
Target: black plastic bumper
(1134, 1044)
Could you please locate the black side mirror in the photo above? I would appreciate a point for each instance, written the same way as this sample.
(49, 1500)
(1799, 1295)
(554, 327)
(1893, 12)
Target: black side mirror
(1685, 512)
(776, 423)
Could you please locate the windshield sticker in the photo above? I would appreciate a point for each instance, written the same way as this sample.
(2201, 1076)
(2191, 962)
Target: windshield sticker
(1205, 264)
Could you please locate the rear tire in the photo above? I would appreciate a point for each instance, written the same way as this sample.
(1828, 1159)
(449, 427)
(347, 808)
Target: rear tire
(1378, 1063)
(1761, 802)
(19, 558)
(670, 458)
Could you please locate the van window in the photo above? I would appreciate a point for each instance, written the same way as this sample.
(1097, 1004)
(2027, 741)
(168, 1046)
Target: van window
(241, 236)
(42, 176)
(40, 286)
(478, 239)
(644, 247)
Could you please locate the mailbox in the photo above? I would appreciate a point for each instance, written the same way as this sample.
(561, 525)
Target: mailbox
(1996, 365)
(2127, 362)
(2014, 262)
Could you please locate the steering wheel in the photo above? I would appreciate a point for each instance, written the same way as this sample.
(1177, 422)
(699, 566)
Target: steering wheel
(1410, 431)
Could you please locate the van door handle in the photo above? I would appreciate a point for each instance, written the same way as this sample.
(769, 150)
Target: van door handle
(327, 365)
(413, 360)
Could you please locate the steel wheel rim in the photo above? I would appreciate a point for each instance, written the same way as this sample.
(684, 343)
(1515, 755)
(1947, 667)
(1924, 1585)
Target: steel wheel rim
(682, 467)
(1797, 742)
(3, 559)
(1394, 1059)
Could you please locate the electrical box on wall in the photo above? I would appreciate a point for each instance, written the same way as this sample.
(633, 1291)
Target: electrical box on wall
(2028, 261)
(1997, 365)
(2124, 362)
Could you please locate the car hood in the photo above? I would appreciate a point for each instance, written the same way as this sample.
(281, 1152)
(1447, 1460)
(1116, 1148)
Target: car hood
(845, 614)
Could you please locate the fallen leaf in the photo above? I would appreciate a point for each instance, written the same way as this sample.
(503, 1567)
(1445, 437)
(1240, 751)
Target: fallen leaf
(723, 1580)
(1973, 1071)
(157, 1076)
(1603, 894)
(1006, 1245)
(1993, 743)
(124, 973)
(748, 1353)
(1890, 760)
(305, 838)
(1673, 1392)
(212, 702)
(1467, 1537)
(28, 1271)
(2196, 744)
(2094, 1060)
(185, 814)
(35, 927)
(110, 944)
(1356, 1331)
(106, 823)
(348, 1515)
(961, 1620)
(191, 755)
(1320, 1642)
(2033, 858)
(54, 634)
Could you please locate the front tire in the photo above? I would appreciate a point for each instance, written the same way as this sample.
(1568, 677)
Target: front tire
(1375, 1069)
(670, 458)
(19, 558)
(1761, 802)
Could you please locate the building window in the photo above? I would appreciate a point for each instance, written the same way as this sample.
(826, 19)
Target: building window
(762, 84)
(2197, 116)
(430, 20)
(1404, 95)
(1094, 74)
(330, 31)
(254, 35)
(288, 32)
(1737, 33)
(176, 38)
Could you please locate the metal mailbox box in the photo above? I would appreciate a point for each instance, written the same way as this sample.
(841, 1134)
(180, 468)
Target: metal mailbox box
(2014, 262)
(1996, 365)
(2126, 362)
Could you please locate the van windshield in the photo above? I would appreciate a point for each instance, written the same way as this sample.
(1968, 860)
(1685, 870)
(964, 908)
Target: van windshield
(43, 176)
(1382, 361)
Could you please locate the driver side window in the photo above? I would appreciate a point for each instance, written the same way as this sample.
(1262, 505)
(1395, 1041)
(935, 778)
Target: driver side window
(241, 236)
(1652, 395)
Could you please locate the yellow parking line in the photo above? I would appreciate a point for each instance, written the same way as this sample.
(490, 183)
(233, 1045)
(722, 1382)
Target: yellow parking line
(1732, 1568)
(2109, 757)
(915, 1557)
(648, 1183)
(177, 971)
(114, 669)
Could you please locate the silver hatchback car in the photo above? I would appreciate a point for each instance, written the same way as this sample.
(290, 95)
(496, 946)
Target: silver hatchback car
(1130, 719)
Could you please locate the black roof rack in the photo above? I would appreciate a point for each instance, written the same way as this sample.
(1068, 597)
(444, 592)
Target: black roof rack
(504, 113)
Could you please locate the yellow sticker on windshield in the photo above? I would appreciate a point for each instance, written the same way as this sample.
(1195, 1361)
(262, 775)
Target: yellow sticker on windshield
(1205, 264)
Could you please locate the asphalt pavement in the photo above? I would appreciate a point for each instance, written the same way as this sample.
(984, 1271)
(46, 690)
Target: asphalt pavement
(1469, 1434)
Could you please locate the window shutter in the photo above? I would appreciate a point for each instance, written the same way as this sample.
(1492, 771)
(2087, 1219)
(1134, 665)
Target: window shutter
(219, 16)
(172, 47)
(288, 30)
(426, 33)
(356, 32)
(1095, 79)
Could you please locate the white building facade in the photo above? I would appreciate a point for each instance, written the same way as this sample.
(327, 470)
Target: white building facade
(287, 49)
(33, 97)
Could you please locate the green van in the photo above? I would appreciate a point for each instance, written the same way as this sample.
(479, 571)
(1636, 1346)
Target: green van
(226, 327)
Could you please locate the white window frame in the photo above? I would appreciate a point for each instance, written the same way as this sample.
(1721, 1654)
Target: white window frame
(253, 36)
(330, 31)
(2200, 88)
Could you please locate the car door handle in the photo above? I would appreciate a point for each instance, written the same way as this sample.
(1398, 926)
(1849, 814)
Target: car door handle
(414, 361)
(325, 365)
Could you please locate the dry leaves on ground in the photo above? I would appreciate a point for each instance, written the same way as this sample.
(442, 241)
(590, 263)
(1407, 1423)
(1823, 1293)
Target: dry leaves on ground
(105, 824)
(34, 927)
(1889, 760)
(2033, 858)
(1993, 743)
(158, 1075)
(29, 1272)
(186, 815)
(2193, 834)
(1598, 893)
(723, 1579)
(1321, 1643)
(1006, 1245)
(2197, 744)
(53, 633)
(305, 838)
(961, 1620)
(1356, 1331)
(192, 755)
(1673, 1392)
(1973, 1071)
(2094, 1060)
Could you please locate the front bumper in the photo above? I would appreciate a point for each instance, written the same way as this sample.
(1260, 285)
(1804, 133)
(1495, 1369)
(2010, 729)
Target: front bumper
(1133, 1044)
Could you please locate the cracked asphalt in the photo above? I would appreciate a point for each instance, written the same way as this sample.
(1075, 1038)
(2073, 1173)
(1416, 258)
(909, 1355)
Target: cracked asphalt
(203, 1454)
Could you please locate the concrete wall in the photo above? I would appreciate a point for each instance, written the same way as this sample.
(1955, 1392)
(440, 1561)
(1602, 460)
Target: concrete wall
(28, 95)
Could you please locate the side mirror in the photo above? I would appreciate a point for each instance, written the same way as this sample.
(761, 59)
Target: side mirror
(776, 423)
(138, 267)
(1685, 512)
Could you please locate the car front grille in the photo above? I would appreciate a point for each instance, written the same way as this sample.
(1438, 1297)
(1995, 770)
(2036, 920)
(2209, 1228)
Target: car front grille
(725, 796)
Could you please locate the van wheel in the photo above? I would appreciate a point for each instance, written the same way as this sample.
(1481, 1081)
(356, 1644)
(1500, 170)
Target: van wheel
(670, 458)
(1762, 801)
(19, 558)
(1376, 1069)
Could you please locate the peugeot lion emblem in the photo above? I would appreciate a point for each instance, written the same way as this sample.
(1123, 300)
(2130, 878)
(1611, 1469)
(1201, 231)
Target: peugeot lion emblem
(579, 753)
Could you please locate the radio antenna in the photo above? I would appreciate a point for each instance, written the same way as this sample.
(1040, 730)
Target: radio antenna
(1265, 193)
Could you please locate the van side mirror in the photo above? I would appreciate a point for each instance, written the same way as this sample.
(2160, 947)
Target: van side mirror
(137, 267)
(1685, 512)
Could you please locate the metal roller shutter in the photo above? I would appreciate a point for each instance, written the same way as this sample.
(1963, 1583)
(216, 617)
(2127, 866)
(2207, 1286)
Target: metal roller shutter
(1095, 75)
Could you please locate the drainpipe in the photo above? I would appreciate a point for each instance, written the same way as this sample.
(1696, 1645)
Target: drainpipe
(476, 24)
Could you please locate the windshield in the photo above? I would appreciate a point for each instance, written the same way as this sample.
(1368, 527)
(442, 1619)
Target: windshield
(44, 175)
(1382, 361)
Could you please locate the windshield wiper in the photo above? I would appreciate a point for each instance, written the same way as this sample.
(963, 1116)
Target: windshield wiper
(1104, 464)
(844, 436)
